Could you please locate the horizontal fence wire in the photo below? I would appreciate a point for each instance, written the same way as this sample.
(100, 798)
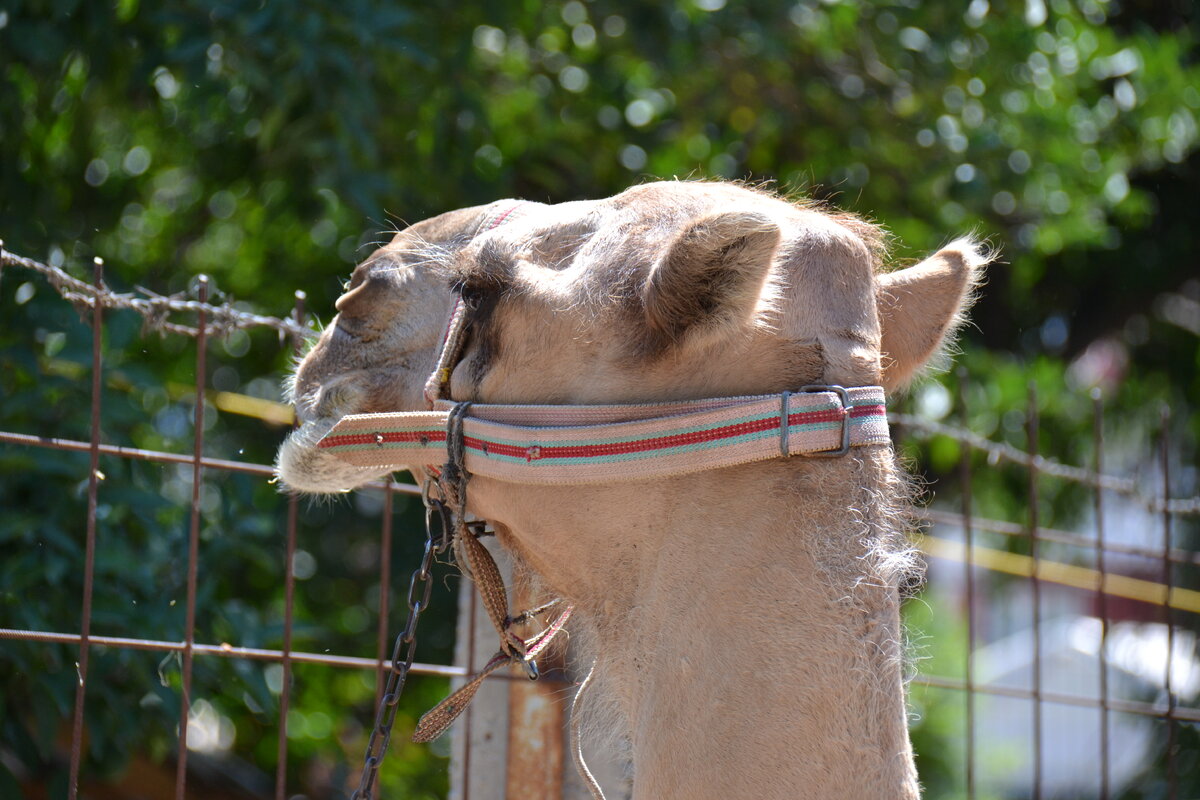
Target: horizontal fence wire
(138, 454)
(227, 650)
(1002, 451)
(201, 320)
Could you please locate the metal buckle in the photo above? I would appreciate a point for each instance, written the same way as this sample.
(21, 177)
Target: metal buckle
(841, 392)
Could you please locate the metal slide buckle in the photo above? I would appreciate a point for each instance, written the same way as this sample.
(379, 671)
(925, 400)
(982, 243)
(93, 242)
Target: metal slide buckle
(841, 392)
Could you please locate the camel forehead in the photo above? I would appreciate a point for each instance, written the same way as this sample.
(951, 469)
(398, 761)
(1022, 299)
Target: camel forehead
(615, 234)
(642, 219)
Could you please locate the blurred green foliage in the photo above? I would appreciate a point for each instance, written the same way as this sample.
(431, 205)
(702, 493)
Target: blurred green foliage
(269, 144)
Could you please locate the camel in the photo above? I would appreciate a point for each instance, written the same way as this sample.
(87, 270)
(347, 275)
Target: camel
(744, 620)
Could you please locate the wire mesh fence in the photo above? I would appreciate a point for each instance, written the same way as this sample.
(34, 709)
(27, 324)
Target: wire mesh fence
(1052, 615)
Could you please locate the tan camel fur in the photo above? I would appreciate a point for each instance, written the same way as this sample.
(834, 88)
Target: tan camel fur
(745, 620)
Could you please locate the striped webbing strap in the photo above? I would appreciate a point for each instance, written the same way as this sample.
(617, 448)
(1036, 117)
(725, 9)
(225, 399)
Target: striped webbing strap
(556, 444)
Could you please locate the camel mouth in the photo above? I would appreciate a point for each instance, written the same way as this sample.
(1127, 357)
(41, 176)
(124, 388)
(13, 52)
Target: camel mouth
(301, 466)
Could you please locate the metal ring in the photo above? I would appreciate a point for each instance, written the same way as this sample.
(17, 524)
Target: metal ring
(428, 487)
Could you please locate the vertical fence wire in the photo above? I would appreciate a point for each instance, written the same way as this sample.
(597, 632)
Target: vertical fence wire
(289, 594)
(285, 662)
(467, 716)
(1167, 577)
(964, 468)
(1101, 593)
(89, 567)
(1031, 428)
(193, 542)
(385, 573)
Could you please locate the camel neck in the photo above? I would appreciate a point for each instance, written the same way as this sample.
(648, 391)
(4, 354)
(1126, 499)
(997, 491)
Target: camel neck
(762, 652)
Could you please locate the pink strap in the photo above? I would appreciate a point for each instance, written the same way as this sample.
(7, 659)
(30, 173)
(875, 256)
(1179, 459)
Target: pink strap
(438, 385)
(565, 445)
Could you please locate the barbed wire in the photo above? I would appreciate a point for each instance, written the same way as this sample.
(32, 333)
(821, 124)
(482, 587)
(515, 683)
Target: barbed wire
(155, 309)
(224, 319)
(1002, 451)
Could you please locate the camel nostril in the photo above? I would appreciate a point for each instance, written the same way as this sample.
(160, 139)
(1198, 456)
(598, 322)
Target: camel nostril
(349, 299)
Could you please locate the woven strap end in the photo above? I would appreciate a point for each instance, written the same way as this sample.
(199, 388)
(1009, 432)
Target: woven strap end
(438, 719)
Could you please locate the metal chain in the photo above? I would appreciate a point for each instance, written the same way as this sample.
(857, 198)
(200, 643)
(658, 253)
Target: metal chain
(446, 512)
(438, 529)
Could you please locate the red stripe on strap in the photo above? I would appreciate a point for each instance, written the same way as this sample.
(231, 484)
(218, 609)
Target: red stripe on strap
(534, 452)
(344, 439)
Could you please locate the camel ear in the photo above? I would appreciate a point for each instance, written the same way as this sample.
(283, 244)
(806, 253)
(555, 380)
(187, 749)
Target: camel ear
(712, 274)
(921, 307)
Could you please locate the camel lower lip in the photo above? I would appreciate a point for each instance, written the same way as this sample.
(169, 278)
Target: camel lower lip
(340, 334)
(303, 467)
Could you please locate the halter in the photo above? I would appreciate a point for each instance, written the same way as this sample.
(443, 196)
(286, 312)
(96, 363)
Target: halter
(590, 444)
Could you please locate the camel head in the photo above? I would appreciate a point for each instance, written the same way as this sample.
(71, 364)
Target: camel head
(667, 291)
(760, 598)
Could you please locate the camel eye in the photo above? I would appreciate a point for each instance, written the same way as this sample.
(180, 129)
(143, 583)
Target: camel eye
(471, 295)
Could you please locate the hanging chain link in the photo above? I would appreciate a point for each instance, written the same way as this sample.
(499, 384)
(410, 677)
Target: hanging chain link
(438, 529)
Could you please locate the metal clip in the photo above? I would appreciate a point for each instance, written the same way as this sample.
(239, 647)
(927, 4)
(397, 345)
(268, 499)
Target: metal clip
(428, 488)
(841, 392)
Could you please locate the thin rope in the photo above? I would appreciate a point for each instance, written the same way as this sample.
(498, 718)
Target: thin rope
(581, 766)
